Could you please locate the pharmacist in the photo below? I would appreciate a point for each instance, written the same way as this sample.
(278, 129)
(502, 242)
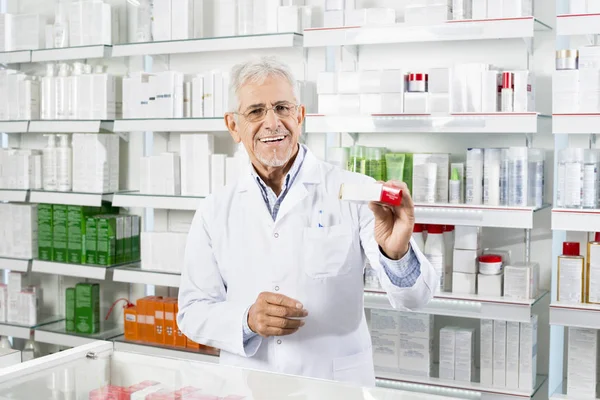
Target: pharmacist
(273, 272)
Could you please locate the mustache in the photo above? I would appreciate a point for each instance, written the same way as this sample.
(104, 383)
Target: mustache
(277, 132)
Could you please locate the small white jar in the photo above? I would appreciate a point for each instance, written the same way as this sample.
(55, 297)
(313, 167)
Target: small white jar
(490, 264)
(567, 59)
(418, 82)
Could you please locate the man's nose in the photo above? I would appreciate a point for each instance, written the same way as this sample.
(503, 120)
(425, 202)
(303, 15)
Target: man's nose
(271, 120)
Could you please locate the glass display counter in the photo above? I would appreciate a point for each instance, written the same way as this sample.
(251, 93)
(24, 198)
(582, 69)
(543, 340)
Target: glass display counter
(98, 371)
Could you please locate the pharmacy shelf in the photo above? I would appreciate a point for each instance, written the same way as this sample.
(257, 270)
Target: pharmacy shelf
(485, 216)
(15, 264)
(22, 331)
(70, 53)
(575, 123)
(575, 315)
(121, 344)
(578, 24)
(469, 306)
(57, 334)
(14, 195)
(15, 57)
(226, 43)
(146, 277)
(69, 198)
(70, 126)
(171, 125)
(459, 389)
(133, 199)
(14, 126)
(98, 272)
(558, 396)
(567, 219)
(506, 28)
(410, 123)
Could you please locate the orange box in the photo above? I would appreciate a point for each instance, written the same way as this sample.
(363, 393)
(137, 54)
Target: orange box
(130, 324)
(159, 321)
(191, 344)
(180, 339)
(170, 324)
(141, 318)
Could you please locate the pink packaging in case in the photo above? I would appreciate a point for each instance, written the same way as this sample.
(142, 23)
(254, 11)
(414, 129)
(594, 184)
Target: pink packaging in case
(234, 397)
(109, 392)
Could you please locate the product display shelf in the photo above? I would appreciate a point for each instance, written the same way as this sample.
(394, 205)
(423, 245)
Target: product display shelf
(575, 315)
(15, 57)
(582, 124)
(98, 272)
(470, 306)
(57, 334)
(146, 277)
(136, 199)
(22, 331)
(225, 43)
(70, 53)
(578, 24)
(412, 123)
(466, 390)
(69, 198)
(70, 126)
(15, 264)
(14, 126)
(504, 28)
(14, 195)
(480, 215)
(560, 396)
(216, 124)
(153, 349)
(577, 220)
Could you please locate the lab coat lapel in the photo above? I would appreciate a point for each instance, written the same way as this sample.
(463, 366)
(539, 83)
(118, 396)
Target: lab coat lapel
(252, 198)
(309, 174)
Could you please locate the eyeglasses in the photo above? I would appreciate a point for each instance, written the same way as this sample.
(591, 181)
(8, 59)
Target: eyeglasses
(257, 114)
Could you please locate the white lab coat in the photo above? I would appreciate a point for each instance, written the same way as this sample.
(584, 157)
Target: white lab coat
(235, 251)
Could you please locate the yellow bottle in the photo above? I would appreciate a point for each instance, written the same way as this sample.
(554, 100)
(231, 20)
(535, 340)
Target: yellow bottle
(592, 279)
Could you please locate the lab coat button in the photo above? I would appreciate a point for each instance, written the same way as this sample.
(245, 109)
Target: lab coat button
(276, 235)
(277, 288)
(279, 341)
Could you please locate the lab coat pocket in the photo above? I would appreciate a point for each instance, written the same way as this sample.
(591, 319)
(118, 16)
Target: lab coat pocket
(326, 250)
(356, 368)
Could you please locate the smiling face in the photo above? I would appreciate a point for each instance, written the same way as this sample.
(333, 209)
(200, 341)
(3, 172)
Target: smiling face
(270, 140)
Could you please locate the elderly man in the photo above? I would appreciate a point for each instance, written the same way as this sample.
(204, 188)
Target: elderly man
(273, 272)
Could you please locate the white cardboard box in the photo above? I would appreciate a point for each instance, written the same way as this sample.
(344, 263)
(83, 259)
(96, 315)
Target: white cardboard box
(521, 280)
(487, 353)
(499, 368)
(447, 352)
(512, 354)
(490, 285)
(467, 237)
(528, 354)
(386, 339)
(464, 361)
(582, 363)
(466, 261)
(464, 283)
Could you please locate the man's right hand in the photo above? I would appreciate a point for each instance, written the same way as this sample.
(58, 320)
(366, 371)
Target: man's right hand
(271, 315)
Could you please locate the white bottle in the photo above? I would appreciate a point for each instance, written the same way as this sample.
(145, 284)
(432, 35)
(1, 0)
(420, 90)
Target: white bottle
(139, 15)
(49, 93)
(62, 92)
(30, 351)
(507, 93)
(419, 236)
(74, 96)
(64, 157)
(448, 248)
(61, 25)
(49, 161)
(435, 251)
(85, 93)
(4, 343)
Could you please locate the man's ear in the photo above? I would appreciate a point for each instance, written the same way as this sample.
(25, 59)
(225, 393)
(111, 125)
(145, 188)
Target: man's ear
(233, 127)
(301, 115)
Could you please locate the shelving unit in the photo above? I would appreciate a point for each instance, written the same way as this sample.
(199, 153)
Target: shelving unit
(171, 125)
(135, 199)
(575, 315)
(77, 270)
(14, 126)
(14, 195)
(56, 334)
(584, 124)
(69, 198)
(146, 277)
(22, 331)
(470, 306)
(404, 123)
(575, 220)
(163, 351)
(509, 28)
(15, 264)
(71, 53)
(69, 126)
(15, 57)
(577, 24)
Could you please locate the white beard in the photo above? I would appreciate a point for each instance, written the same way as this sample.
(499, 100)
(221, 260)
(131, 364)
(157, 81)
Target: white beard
(275, 161)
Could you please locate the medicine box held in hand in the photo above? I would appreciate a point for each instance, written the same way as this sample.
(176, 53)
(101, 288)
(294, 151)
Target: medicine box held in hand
(379, 192)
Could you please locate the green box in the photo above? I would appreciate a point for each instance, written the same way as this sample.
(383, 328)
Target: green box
(107, 234)
(45, 232)
(91, 240)
(135, 239)
(408, 171)
(87, 308)
(120, 252)
(59, 232)
(76, 220)
(70, 310)
(127, 255)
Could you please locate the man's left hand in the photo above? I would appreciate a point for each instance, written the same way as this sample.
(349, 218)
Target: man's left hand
(394, 225)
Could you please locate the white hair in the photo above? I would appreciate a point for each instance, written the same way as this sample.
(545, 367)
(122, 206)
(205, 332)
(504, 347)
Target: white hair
(256, 71)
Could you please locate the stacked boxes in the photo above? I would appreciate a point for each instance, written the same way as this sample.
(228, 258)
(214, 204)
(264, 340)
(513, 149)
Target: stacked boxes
(467, 249)
(18, 230)
(70, 310)
(87, 235)
(163, 251)
(19, 301)
(582, 365)
(153, 320)
(457, 354)
(87, 308)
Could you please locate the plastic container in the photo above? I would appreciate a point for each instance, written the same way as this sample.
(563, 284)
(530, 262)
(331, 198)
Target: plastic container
(572, 175)
(419, 236)
(567, 59)
(517, 176)
(536, 161)
(356, 161)
(435, 251)
(490, 264)
(64, 167)
(474, 186)
(590, 191)
(504, 177)
(49, 165)
(375, 163)
(418, 82)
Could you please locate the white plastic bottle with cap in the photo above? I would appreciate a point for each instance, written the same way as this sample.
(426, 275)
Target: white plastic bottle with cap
(435, 251)
(74, 87)
(508, 92)
(49, 164)
(4, 343)
(64, 157)
(62, 101)
(49, 93)
(419, 236)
